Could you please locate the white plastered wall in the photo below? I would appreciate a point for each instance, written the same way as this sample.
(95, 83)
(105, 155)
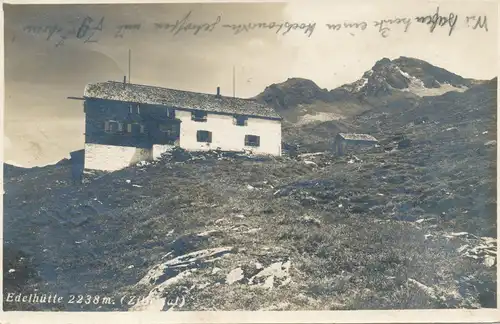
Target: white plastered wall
(229, 137)
(113, 158)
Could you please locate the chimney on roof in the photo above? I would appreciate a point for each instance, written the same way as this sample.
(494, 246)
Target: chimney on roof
(124, 79)
(218, 91)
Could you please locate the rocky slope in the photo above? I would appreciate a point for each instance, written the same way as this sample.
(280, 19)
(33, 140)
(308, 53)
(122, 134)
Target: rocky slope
(297, 97)
(313, 115)
(408, 224)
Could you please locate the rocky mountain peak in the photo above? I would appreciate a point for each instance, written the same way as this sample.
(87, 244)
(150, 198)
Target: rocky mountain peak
(292, 92)
(406, 74)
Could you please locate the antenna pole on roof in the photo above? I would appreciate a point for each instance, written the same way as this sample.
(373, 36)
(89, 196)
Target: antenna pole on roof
(234, 82)
(129, 56)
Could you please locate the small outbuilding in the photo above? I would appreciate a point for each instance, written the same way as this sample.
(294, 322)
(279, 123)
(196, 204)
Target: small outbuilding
(353, 142)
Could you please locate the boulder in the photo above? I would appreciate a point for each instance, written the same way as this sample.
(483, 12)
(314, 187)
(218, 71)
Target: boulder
(404, 143)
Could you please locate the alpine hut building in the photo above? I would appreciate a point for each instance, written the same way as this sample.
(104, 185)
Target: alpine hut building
(126, 123)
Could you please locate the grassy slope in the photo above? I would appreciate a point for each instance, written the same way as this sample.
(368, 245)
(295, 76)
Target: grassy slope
(347, 228)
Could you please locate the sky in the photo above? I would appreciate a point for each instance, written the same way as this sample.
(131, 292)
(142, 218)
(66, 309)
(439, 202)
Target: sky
(42, 126)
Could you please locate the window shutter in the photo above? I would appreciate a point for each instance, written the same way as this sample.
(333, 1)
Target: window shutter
(106, 126)
(120, 127)
(142, 128)
(129, 128)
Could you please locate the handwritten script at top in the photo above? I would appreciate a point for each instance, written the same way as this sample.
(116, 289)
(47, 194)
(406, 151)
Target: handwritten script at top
(185, 25)
(90, 29)
(87, 31)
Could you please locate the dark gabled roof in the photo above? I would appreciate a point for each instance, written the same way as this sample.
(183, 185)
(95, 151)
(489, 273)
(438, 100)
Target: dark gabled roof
(188, 100)
(357, 137)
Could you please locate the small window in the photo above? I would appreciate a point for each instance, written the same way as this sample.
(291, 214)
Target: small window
(252, 140)
(135, 128)
(241, 120)
(131, 109)
(168, 129)
(204, 136)
(112, 126)
(199, 116)
(164, 128)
